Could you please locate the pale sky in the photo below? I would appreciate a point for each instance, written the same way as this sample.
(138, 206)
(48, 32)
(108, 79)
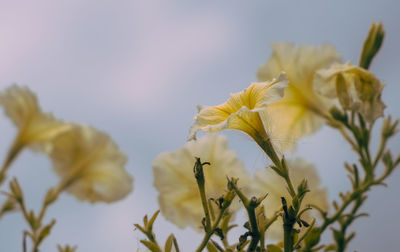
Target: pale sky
(137, 70)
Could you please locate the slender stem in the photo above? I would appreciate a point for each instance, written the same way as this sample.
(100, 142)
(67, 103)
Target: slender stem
(305, 234)
(380, 152)
(199, 175)
(205, 206)
(15, 149)
(264, 228)
(254, 227)
(250, 206)
(268, 148)
(271, 221)
(348, 138)
(210, 232)
(288, 181)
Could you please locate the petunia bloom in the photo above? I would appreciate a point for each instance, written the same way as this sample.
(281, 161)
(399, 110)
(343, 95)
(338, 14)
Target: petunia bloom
(90, 165)
(36, 129)
(179, 196)
(301, 111)
(241, 111)
(268, 181)
(356, 88)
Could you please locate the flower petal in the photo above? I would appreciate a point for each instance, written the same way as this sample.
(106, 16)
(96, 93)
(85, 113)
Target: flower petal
(179, 197)
(240, 111)
(356, 88)
(91, 165)
(299, 112)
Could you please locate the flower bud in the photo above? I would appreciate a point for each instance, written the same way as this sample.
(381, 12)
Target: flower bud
(372, 44)
(16, 191)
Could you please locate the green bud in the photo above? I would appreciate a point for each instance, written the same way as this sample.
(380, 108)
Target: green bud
(227, 200)
(66, 248)
(389, 128)
(338, 115)
(51, 196)
(16, 191)
(372, 44)
(8, 206)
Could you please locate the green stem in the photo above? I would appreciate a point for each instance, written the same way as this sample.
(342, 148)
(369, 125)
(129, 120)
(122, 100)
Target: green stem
(205, 206)
(305, 234)
(15, 149)
(268, 148)
(255, 233)
(287, 179)
(199, 175)
(210, 232)
(288, 237)
(250, 206)
(382, 146)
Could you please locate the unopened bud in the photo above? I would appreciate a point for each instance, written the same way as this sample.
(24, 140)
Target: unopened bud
(372, 44)
(16, 191)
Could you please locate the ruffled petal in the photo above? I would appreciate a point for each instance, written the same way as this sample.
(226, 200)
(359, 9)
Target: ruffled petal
(241, 110)
(179, 197)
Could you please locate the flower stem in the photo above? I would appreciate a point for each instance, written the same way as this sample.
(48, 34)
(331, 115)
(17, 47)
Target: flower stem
(199, 175)
(209, 233)
(267, 146)
(250, 206)
(15, 149)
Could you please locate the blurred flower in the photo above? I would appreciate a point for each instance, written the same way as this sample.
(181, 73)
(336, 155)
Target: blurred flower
(179, 196)
(301, 110)
(241, 110)
(90, 165)
(268, 181)
(356, 88)
(35, 128)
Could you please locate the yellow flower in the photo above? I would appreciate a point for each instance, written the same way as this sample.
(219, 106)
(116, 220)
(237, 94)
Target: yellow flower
(90, 165)
(356, 88)
(36, 128)
(268, 181)
(179, 196)
(301, 110)
(241, 111)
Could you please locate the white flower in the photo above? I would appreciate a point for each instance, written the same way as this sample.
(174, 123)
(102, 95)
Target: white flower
(301, 111)
(36, 129)
(241, 111)
(90, 165)
(179, 196)
(356, 88)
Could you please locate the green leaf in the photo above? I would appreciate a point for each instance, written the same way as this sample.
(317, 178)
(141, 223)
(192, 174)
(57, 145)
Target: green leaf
(168, 243)
(140, 228)
(331, 247)
(211, 247)
(313, 237)
(150, 245)
(46, 231)
(273, 248)
(31, 219)
(149, 225)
